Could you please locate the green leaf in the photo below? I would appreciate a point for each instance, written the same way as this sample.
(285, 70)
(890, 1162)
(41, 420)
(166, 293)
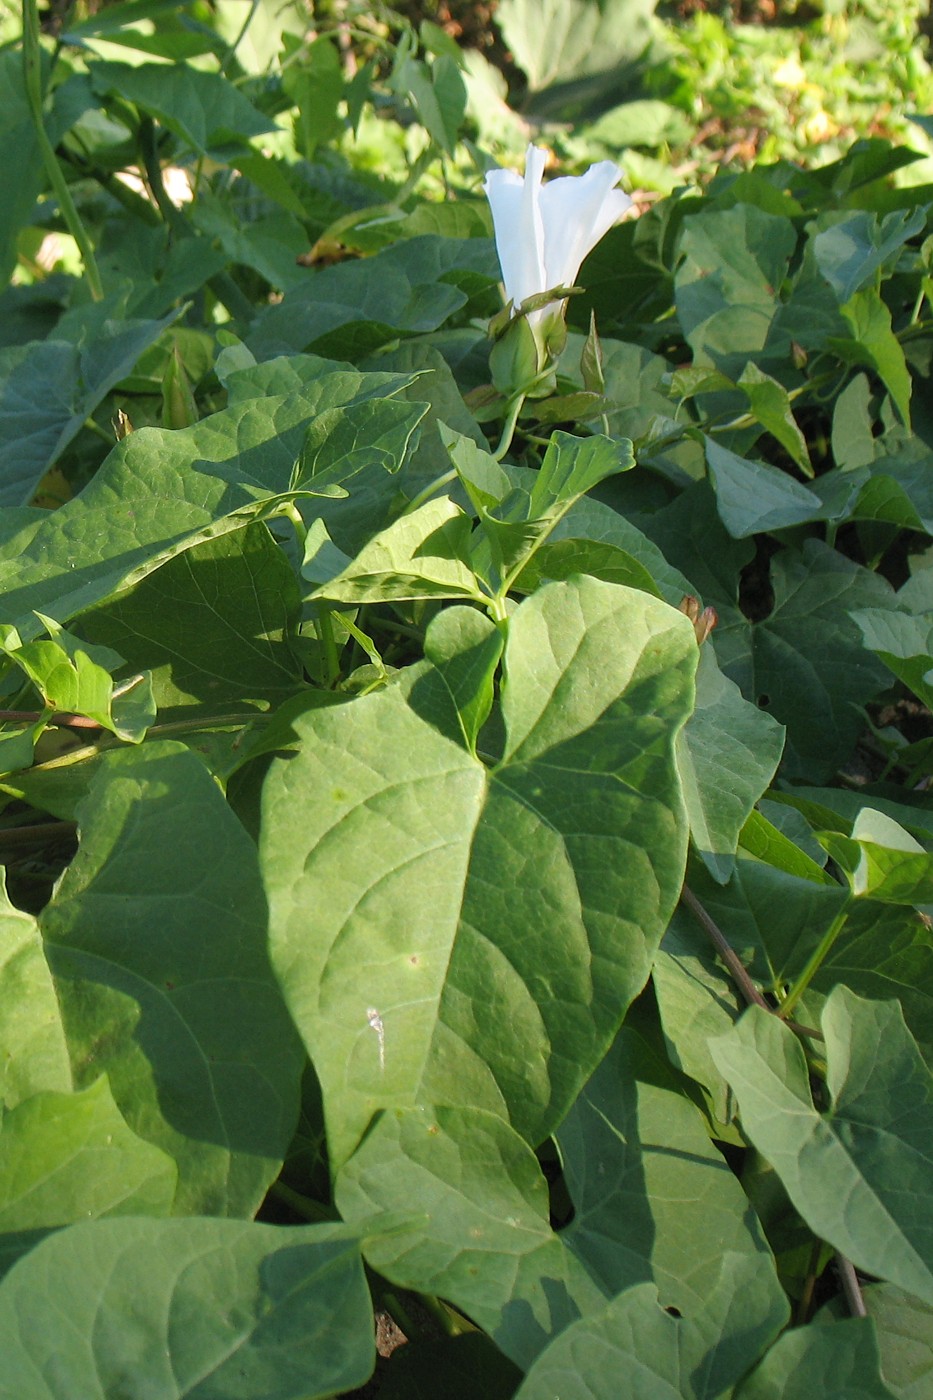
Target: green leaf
(161, 492)
(850, 252)
(33, 1052)
(552, 874)
(67, 1157)
(211, 624)
(770, 403)
(358, 455)
(464, 648)
(853, 441)
(840, 1362)
(873, 343)
(609, 540)
(732, 262)
(270, 246)
(882, 860)
(903, 1325)
(185, 1017)
(754, 497)
(775, 920)
(49, 388)
(560, 559)
(885, 950)
(315, 84)
(484, 1241)
(438, 95)
(354, 307)
(904, 643)
(653, 1199)
(860, 1172)
(727, 755)
(697, 1000)
(421, 555)
(69, 680)
(23, 159)
(225, 1308)
(559, 40)
(517, 521)
(806, 663)
(768, 840)
(697, 1357)
(202, 108)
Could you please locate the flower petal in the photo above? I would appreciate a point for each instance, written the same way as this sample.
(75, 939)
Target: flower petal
(577, 212)
(519, 228)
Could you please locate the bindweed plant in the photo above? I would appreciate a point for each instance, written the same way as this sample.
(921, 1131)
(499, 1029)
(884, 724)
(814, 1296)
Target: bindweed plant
(466, 818)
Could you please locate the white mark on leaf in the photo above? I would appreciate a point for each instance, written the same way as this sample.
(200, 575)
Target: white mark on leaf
(375, 1021)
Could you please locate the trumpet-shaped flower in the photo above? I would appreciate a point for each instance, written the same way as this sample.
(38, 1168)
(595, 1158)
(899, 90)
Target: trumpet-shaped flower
(543, 232)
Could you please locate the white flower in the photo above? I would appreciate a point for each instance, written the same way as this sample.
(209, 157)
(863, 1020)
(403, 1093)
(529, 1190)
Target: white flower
(543, 232)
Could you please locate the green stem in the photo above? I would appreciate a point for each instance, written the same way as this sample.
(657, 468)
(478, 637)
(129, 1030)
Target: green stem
(292, 513)
(508, 427)
(428, 491)
(301, 1205)
(325, 633)
(815, 962)
(32, 74)
(221, 284)
(102, 433)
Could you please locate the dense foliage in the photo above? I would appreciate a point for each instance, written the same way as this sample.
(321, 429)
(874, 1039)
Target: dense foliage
(469, 852)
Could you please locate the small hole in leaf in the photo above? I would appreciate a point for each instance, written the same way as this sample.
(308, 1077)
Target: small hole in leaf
(674, 1312)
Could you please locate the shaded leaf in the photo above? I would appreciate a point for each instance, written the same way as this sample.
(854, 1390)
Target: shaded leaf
(727, 754)
(859, 1173)
(225, 1308)
(483, 1241)
(839, 1362)
(191, 1030)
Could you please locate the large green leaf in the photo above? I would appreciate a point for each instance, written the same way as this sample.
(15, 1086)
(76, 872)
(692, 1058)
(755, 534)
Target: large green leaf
(837, 1363)
(156, 937)
(187, 1310)
(518, 906)
(483, 1240)
(160, 492)
(653, 1199)
(659, 1356)
(860, 1172)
